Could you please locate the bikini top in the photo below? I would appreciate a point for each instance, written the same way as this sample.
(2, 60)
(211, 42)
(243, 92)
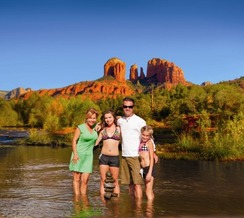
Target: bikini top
(143, 147)
(115, 136)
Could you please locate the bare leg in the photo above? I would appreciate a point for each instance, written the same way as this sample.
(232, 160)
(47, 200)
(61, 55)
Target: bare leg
(115, 173)
(103, 170)
(76, 183)
(84, 182)
(149, 189)
(138, 191)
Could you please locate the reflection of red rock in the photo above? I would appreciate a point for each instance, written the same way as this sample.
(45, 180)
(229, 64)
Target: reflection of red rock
(116, 68)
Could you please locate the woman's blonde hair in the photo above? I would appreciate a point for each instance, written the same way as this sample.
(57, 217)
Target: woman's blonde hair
(90, 112)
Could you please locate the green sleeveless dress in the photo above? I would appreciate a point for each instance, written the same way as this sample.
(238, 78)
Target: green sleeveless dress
(85, 146)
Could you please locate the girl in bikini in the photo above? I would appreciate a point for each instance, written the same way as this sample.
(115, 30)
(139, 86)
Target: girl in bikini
(109, 157)
(146, 152)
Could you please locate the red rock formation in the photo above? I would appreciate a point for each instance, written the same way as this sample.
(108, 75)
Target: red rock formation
(133, 73)
(162, 71)
(116, 68)
(142, 74)
(17, 92)
(92, 89)
(158, 71)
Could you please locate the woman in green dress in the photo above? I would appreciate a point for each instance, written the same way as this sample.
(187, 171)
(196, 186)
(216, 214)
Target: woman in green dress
(81, 161)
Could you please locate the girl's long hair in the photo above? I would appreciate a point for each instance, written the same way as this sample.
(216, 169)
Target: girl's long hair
(103, 123)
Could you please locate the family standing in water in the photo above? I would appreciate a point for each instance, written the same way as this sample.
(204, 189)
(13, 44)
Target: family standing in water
(137, 144)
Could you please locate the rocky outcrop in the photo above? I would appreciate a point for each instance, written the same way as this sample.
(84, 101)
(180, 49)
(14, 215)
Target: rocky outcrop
(161, 71)
(95, 90)
(113, 83)
(16, 93)
(133, 73)
(142, 74)
(116, 68)
(3, 93)
(207, 83)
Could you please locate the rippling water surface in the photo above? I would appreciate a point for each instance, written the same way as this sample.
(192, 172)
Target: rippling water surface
(35, 182)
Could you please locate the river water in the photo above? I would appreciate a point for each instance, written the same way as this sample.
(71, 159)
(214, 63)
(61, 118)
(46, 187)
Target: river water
(35, 182)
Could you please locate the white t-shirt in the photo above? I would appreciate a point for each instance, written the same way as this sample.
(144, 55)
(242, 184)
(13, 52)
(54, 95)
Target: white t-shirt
(131, 132)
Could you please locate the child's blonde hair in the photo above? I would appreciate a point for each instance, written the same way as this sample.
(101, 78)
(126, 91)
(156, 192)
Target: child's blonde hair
(147, 129)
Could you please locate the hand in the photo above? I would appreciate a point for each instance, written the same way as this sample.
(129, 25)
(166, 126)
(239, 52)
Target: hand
(98, 127)
(148, 177)
(75, 159)
(155, 156)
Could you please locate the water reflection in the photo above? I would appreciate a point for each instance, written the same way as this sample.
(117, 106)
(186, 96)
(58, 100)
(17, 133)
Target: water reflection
(35, 182)
(82, 207)
(143, 208)
(149, 208)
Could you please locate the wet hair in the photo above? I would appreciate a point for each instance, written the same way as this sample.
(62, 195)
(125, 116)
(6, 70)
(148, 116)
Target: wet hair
(90, 112)
(147, 129)
(104, 124)
(129, 99)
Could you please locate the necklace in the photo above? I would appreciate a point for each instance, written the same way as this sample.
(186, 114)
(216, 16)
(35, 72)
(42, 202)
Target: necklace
(127, 118)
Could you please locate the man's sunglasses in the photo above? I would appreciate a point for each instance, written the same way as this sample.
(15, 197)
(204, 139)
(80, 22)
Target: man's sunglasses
(125, 106)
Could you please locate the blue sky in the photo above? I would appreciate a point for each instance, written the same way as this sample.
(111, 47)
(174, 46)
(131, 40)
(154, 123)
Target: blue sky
(56, 43)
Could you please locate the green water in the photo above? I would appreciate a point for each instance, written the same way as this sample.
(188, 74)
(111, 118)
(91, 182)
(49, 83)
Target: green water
(35, 182)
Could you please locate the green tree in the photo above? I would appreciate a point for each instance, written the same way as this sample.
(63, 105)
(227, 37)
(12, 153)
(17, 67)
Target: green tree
(74, 111)
(8, 117)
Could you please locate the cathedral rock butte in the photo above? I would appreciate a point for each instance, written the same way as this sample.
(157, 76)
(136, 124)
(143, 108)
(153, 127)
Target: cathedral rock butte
(159, 72)
(116, 68)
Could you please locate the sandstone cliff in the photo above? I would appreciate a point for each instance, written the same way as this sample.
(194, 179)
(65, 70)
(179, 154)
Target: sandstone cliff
(159, 71)
(17, 92)
(94, 90)
(114, 83)
(116, 68)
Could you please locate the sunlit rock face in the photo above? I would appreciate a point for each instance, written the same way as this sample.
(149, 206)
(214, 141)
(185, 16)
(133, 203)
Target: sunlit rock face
(113, 83)
(162, 71)
(116, 68)
(133, 73)
(17, 92)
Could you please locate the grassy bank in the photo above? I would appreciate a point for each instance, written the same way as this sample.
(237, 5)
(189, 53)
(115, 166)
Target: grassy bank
(195, 145)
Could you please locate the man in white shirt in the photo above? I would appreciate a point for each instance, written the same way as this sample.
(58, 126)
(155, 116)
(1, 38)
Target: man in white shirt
(131, 125)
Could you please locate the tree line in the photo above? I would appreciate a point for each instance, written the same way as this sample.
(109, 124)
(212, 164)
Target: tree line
(224, 102)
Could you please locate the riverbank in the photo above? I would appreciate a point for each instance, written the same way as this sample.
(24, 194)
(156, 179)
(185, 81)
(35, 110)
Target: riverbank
(167, 146)
(11, 136)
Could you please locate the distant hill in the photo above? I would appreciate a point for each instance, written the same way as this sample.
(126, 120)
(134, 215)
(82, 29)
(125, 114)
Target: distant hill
(105, 87)
(238, 82)
(3, 93)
